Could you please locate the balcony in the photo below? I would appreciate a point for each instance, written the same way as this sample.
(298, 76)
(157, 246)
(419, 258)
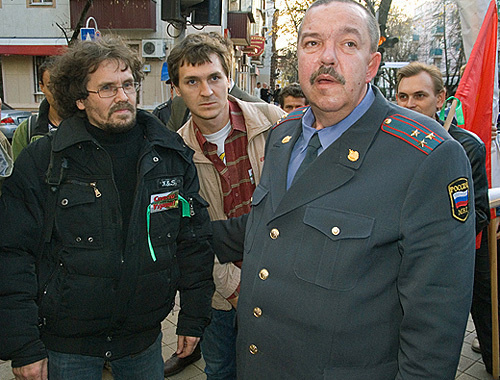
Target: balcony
(117, 14)
(438, 31)
(238, 24)
(436, 52)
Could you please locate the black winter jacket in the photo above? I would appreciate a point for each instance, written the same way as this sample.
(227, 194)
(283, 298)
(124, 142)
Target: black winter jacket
(76, 288)
(476, 153)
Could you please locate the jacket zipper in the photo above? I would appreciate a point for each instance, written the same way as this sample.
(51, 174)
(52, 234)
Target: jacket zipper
(91, 184)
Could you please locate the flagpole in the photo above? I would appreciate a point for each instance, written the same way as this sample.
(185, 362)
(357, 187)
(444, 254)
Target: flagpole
(451, 115)
(494, 199)
(492, 243)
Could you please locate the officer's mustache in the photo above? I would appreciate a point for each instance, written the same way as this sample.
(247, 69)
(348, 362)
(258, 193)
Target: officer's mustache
(328, 70)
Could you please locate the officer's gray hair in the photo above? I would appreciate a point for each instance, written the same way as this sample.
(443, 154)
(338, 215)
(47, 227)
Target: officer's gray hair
(371, 21)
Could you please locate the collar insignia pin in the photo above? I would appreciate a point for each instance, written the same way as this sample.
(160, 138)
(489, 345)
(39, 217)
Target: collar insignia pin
(286, 139)
(353, 155)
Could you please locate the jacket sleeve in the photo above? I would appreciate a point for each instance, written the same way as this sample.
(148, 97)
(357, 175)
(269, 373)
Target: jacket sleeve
(229, 238)
(226, 278)
(437, 267)
(195, 259)
(19, 139)
(477, 158)
(21, 218)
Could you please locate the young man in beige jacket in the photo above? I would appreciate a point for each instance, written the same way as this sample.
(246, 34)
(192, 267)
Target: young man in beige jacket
(228, 138)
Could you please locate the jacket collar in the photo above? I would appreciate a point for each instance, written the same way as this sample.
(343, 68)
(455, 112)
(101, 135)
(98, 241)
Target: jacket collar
(42, 120)
(256, 123)
(358, 139)
(72, 131)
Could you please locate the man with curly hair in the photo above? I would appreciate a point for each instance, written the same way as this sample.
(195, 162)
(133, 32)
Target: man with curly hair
(101, 225)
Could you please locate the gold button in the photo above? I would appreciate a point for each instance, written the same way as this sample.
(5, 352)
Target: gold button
(274, 233)
(388, 121)
(335, 231)
(263, 274)
(253, 349)
(257, 312)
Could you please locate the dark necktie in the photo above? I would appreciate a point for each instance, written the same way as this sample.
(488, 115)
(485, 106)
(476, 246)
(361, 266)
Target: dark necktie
(311, 154)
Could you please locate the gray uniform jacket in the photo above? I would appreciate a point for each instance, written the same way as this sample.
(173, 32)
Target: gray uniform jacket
(363, 269)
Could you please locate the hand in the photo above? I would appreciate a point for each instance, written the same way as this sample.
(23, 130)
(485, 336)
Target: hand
(233, 302)
(33, 371)
(186, 345)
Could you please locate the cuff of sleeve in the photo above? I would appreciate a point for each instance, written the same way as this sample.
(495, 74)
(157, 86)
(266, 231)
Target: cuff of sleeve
(235, 294)
(31, 354)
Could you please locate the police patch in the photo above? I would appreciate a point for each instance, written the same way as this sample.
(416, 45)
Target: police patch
(164, 201)
(458, 191)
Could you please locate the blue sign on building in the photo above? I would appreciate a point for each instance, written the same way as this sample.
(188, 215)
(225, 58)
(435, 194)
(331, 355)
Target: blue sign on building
(87, 34)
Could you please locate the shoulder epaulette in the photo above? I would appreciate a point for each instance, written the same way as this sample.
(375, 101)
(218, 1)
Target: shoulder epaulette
(411, 131)
(294, 115)
(162, 106)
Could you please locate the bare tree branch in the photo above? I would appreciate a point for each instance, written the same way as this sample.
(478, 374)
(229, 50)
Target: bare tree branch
(64, 32)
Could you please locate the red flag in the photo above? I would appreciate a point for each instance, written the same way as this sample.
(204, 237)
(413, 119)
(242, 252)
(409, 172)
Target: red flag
(475, 89)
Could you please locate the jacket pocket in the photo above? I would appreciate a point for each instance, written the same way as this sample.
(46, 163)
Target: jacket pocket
(79, 216)
(254, 217)
(50, 296)
(333, 250)
(385, 371)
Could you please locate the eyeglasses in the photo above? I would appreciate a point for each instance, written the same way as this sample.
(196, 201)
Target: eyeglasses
(109, 90)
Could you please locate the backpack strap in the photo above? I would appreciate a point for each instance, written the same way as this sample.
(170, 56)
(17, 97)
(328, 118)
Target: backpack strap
(53, 177)
(32, 120)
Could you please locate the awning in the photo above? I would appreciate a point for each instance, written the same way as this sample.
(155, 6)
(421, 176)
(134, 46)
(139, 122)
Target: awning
(32, 46)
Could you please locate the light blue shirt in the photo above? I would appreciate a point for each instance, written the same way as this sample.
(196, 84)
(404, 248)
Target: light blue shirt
(327, 136)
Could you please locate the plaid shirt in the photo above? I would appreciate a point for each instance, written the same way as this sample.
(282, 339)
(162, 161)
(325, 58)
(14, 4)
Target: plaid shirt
(236, 174)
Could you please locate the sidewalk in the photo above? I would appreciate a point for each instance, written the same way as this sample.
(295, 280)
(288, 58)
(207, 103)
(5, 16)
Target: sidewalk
(470, 366)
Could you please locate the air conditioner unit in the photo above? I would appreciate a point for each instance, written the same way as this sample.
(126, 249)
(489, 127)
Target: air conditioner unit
(153, 49)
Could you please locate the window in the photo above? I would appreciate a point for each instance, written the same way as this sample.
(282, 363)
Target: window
(43, 3)
(37, 61)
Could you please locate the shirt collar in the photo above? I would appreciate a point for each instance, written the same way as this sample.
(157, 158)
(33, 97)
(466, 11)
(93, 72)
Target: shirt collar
(309, 119)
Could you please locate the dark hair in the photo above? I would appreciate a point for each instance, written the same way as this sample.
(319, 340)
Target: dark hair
(371, 24)
(71, 73)
(196, 50)
(292, 90)
(46, 65)
(415, 68)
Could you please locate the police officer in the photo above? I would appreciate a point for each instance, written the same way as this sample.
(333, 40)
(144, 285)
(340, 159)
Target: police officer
(359, 249)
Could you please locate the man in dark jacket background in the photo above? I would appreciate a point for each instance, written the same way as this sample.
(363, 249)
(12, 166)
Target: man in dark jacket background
(101, 225)
(420, 87)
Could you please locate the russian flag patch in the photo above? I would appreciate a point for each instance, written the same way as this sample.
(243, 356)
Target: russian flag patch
(458, 191)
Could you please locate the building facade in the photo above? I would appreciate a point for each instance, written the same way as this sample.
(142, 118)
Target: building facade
(32, 30)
